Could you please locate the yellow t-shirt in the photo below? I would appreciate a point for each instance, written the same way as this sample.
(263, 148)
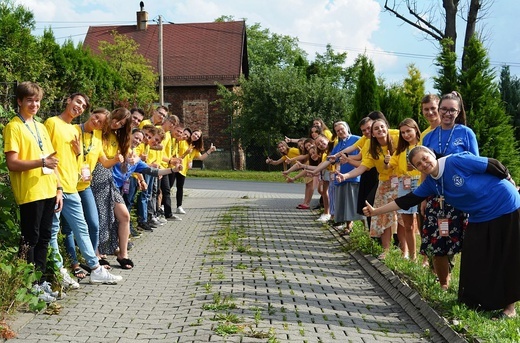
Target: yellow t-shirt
(399, 163)
(327, 133)
(424, 133)
(145, 122)
(168, 147)
(111, 146)
(62, 134)
(292, 153)
(92, 146)
(182, 147)
(30, 185)
(360, 143)
(369, 162)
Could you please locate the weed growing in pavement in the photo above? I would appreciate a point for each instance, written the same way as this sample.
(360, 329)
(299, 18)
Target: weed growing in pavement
(220, 303)
(240, 266)
(208, 287)
(225, 329)
(198, 322)
(227, 317)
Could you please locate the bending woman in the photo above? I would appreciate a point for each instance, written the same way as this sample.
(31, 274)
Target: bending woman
(483, 188)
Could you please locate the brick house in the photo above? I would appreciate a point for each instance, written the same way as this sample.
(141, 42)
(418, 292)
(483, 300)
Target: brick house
(196, 56)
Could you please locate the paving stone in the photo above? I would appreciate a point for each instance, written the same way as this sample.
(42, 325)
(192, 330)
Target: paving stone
(297, 282)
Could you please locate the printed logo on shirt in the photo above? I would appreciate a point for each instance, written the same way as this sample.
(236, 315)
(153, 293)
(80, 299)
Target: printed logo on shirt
(458, 141)
(458, 181)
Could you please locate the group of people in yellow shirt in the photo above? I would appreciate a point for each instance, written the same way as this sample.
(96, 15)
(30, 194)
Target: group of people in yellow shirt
(78, 177)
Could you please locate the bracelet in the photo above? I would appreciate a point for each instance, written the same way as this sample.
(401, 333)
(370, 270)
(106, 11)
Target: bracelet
(77, 155)
(171, 169)
(208, 153)
(43, 163)
(386, 162)
(59, 189)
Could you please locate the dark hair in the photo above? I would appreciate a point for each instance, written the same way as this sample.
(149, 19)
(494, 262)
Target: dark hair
(375, 146)
(150, 128)
(429, 98)
(123, 133)
(461, 118)
(322, 124)
(138, 110)
(87, 100)
(28, 88)
(364, 120)
(318, 130)
(376, 115)
(402, 144)
(199, 143)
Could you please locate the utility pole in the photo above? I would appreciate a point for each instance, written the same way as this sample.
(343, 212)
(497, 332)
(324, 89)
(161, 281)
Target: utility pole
(161, 71)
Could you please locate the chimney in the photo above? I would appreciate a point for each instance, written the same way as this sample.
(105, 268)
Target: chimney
(142, 18)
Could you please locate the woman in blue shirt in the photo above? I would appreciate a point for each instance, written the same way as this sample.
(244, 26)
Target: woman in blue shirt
(483, 188)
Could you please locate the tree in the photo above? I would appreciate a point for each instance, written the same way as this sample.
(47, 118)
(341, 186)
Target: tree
(139, 80)
(447, 79)
(510, 94)
(329, 65)
(484, 110)
(414, 90)
(426, 19)
(395, 103)
(266, 49)
(365, 97)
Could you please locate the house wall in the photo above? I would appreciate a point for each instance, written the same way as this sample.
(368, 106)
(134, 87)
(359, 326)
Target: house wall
(196, 108)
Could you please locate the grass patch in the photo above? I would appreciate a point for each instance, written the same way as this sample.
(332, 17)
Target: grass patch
(471, 324)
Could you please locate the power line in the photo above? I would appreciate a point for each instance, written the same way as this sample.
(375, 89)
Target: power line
(321, 45)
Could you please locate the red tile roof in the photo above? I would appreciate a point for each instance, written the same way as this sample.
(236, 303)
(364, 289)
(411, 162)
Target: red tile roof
(196, 54)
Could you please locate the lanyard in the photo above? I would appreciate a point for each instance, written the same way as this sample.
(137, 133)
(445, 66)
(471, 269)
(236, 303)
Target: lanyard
(37, 135)
(448, 142)
(85, 149)
(440, 198)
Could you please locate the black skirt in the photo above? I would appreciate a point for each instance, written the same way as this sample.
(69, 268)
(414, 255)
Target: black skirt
(490, 263)
(367, 189)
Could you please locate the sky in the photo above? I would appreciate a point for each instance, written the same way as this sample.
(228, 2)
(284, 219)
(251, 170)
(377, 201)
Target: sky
(352, 26)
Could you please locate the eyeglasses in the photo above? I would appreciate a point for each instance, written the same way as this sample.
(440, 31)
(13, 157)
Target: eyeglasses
(445, 110)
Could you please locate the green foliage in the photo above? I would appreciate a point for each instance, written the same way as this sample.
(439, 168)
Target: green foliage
(268, 50)
(510, 93)
(414, 90)
(139, 79)
(484, 110)
(395, 104)
(447, 80)
(365, 97)
(278, 103)
(16, 280)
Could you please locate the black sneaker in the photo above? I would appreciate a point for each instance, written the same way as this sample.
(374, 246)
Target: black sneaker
(145, 227)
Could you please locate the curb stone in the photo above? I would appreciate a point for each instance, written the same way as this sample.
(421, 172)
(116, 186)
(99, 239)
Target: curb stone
(411, 301)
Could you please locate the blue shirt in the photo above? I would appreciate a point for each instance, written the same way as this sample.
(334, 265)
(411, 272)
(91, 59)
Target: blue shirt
(465, 184)
(347, 167)
(457, 139)
(140, 167)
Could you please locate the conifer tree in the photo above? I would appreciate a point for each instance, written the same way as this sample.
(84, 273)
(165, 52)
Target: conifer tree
(484, 109)
(365, 97)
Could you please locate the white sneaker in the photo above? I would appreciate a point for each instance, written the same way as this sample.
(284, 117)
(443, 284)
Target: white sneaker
(67, 281)
(46, 287)
(156, 221)
(174, 218)
(162, 219)
(42, 295)
(101, 275)
(323, 218)
(180, 210)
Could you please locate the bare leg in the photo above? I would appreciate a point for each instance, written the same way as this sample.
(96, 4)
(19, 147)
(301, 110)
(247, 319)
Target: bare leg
(325, 194)
(309, 189)
(442, 269)
(410, 235)
(401, 235)
(385, 240)
(509, 310)
(123, 217)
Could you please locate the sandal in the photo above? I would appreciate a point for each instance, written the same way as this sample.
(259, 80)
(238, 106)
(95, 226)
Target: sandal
(125, 263)
(105, 264)
(346, 231)
(79, 273)
(503, 315)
